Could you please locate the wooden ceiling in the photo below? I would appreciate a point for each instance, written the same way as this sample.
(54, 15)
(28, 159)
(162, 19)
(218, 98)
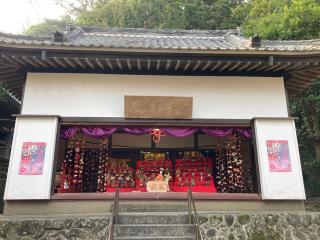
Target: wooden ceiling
(299, 72)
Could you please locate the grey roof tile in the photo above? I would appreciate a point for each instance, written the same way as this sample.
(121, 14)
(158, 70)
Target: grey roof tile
(158, 39)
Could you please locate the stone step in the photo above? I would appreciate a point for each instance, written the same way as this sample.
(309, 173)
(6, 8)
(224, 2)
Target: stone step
(153, 218)
(153, 230)
(191, 237)
(153, 207)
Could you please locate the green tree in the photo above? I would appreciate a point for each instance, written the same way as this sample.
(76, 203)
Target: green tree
(281, 19)
(48, 26)
(307, 108)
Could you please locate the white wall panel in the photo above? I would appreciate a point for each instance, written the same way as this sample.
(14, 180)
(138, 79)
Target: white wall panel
(31, 129)
(279, 185)
(102, 95)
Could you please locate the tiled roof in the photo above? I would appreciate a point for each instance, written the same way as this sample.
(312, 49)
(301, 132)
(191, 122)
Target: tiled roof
(158, 39)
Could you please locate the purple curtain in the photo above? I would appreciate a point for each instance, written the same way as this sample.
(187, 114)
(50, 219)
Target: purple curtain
(68, 132)
(218, 132)
(137, 130)
(245, 132)
(98, 131)
(179, 131)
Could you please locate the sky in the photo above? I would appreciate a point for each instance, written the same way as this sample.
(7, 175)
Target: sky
(17, 15)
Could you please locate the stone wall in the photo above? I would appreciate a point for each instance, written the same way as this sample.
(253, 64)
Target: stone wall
(262, 226)
(219, 226)
(87, 227)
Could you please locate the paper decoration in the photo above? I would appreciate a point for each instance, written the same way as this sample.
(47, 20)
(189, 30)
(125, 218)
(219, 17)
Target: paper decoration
(32, 158)
(156, 134)
(278, 156)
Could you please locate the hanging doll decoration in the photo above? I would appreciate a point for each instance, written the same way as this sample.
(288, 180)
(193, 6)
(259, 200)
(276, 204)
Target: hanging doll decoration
(234, 166)
(221, 177)
(103, 158)
(67, 167)
(78, 164)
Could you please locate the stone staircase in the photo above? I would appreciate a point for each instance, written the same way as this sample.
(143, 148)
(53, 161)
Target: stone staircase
(153, 221)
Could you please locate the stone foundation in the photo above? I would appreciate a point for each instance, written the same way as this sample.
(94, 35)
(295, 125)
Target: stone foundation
(62, 227)
(220, 226)
(261, 226)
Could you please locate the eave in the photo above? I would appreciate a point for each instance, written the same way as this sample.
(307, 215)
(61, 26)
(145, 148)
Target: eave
(299, 68)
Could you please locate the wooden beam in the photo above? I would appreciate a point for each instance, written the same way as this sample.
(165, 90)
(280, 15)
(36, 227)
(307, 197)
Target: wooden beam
(206, 66)
(158, 65)
(20, 61)
(9, 70)
(12, 60)
(51, 63)
(293, 79)
(87, 60)
(186, 66)
(79, 62)
(68, 61)
(237, 64)
(254, 66)
(129, 64)
(217, 64)
(196, 66)
(158, 196)
(31, 62)
(306, 78)
(99, 63)
(316, 71)
(168, 63)
(273, 67)
(139, 64)
(281, 67)
(118, 62)
(109, 63)
(61, 63)
(244, 66)
(148, 64)
(39, 61)
(8, 75)
(264, 66)
(306, 74)
(177, 65)
(225, 66)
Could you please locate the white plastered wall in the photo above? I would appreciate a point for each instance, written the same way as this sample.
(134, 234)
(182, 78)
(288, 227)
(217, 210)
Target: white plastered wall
(279, 185)
(31, 129)
(102, 95)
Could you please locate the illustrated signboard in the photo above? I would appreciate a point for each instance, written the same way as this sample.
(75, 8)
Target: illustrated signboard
(278, 156)
(32, 158)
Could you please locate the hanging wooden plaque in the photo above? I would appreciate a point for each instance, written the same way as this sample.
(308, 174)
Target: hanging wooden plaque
(159, 107)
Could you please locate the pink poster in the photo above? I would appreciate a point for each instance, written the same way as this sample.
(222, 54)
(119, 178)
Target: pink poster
(278, 155)
(32, 158)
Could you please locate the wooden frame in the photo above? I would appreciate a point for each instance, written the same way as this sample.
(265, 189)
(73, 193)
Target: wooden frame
(159, 196)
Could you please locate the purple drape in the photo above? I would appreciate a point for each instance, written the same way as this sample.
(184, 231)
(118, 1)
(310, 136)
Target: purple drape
(68, 132)
(179, 131)
(218, 132)
(137, 130)
(98, 131)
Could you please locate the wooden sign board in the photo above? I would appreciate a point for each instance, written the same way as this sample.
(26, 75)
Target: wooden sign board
(158, 107)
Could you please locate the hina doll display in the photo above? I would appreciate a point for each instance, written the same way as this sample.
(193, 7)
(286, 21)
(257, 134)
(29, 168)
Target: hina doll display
(194, 170)
(119, 173)
(148, 169)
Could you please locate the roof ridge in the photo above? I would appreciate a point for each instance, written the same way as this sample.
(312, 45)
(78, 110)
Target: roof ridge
(117, 30)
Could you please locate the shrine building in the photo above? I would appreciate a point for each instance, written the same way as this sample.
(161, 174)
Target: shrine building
(153, 113)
